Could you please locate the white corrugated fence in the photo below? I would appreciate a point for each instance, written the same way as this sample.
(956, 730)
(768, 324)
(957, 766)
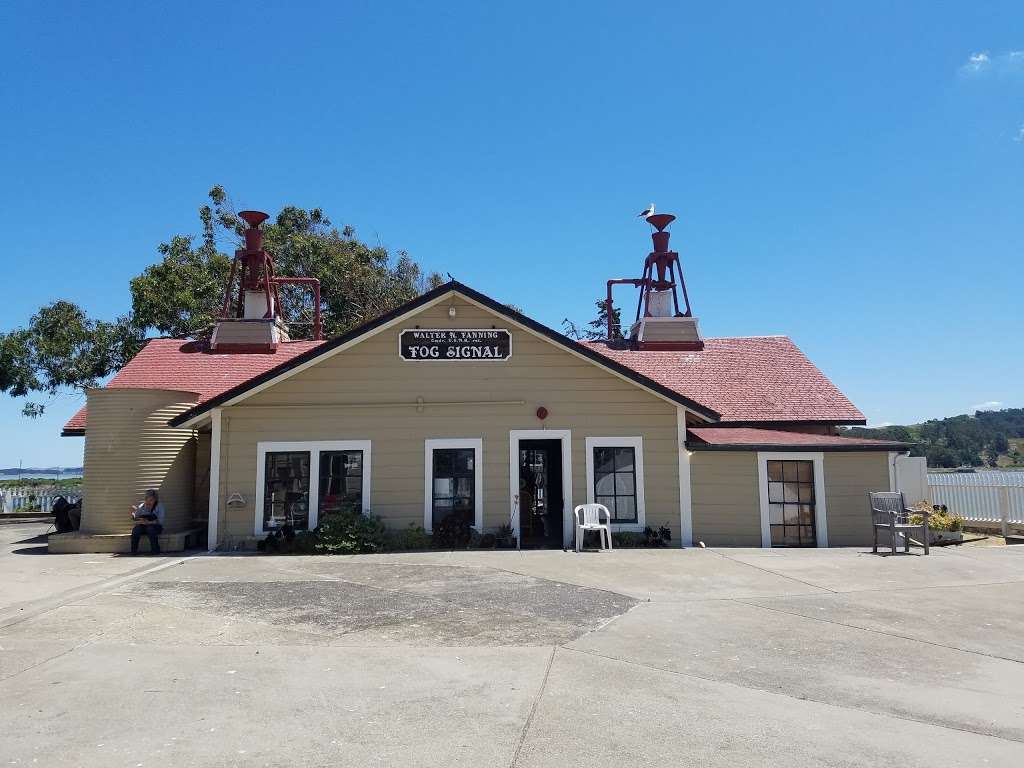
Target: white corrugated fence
(995, 497)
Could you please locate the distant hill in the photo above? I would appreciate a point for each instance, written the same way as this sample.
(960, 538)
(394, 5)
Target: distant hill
(40, 471)
(988, 438)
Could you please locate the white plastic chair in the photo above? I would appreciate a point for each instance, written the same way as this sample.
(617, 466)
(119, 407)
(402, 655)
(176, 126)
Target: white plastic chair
(591, 521)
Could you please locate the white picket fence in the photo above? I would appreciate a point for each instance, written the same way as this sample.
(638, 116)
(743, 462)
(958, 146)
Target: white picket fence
(20, 499)
(991, 497)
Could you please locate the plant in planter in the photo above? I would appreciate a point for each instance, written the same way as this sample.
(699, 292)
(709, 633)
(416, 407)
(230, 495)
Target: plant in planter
(943, 527)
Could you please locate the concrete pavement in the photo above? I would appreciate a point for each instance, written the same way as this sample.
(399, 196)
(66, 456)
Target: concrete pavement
(642, 657)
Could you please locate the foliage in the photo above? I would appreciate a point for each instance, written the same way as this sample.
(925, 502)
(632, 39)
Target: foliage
(350, 533)
(649, 538)
(453, 532)
(182, 294)
(407, 539)
(957, 440)
(505, 537)
(63, 348)
(288, 541)
(940, 519)
(596, 329)
(67, 483)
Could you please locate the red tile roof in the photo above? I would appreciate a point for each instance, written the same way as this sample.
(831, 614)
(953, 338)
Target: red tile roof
(751, 437)
(191, 367)
(747, 379)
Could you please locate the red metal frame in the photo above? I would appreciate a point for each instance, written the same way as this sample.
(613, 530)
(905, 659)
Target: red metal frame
(668, 267)
(254, 268)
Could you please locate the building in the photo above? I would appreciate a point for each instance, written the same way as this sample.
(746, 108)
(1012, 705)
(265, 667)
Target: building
(455, 404)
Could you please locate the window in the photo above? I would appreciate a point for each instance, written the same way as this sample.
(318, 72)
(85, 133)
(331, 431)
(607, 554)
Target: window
(791, 503)
(453, 479)
(615, 478)
(453, 484)
(286, 490)
(341, 481)
(298, 482)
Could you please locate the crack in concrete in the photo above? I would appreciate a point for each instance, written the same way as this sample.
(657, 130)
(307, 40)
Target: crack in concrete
(876, 631)
(533, 708)
(833, 705)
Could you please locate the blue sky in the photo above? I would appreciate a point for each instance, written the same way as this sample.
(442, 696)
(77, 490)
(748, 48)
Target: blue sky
(847, 174)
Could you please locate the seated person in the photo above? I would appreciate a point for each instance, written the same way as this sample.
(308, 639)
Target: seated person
(149, 517)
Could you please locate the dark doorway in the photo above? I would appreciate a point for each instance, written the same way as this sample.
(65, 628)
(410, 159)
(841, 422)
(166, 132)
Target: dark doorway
(540, 494)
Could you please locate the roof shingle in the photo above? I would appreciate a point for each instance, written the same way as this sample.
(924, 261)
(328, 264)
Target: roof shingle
(745, 379)
(752, 437)
(191, 367)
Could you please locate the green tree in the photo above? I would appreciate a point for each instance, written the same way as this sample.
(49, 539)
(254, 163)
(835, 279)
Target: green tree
(181, 296)
(63, 348)
(596, 329)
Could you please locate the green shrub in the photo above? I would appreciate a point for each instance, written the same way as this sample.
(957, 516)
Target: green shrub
(288, 541)
(411, 538)
(350, 533)
(649, 538)
(628, 540)
(940, 519)
(453, 532)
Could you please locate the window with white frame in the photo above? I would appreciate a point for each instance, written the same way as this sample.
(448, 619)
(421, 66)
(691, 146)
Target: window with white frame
(615, 478)
(453, 481)
(299, 482)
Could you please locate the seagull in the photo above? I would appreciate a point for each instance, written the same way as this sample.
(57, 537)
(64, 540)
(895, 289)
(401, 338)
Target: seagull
(648, 212)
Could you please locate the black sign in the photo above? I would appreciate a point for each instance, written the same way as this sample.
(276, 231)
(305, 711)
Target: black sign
(463, 345)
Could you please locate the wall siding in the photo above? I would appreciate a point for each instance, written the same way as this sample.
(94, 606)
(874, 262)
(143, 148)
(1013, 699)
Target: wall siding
(849, 477)
(578, 395)
(726, 506)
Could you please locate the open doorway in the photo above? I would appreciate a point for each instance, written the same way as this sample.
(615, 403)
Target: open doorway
(541, 502)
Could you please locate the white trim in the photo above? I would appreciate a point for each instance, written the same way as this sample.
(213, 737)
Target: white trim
(314, 447)
(892, 471)
(637, 444)
(685, 488)
(213, 513)
(565, 436)
(400, 319)
(432, 444)
(820, 512)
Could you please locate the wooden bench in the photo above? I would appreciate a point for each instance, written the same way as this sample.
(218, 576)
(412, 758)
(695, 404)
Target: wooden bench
(77, 542)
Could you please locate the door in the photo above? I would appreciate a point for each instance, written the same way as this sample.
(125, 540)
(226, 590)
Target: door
(541, 510)
(791, 503)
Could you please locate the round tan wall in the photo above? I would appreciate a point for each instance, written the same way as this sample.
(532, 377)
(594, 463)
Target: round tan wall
(129, 448)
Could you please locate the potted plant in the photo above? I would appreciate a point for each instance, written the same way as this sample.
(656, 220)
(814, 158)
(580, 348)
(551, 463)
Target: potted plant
(943, 527)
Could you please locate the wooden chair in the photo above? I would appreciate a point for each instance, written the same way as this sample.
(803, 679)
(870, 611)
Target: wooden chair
(889, 513)
(591, 521)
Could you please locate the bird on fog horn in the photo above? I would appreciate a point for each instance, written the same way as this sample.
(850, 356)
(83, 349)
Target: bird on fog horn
(646, 213)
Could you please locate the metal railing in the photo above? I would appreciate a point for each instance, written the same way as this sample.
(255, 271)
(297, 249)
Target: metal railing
(34, 498)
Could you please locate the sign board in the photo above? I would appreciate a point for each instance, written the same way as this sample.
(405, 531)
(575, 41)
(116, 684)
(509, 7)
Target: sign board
(460, 345)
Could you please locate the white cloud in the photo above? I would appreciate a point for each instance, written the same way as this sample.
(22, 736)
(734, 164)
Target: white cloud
(976, 62)
(988, 405)
(984, 62)
(1020, 135)
(880, 424)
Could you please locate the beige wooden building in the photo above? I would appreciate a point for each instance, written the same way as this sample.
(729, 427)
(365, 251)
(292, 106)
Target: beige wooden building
(455, 404)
